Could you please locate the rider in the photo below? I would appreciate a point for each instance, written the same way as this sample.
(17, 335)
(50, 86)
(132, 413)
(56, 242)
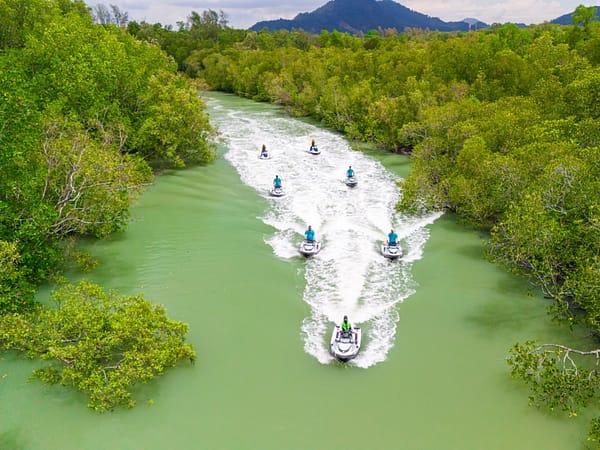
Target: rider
(346, 325)
(392, 238)
(310, 234)
(263, 152)
(350, 172)
(277, 182)
(313, 146)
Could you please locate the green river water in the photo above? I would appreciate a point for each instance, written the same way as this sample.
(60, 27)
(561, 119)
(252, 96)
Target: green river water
(203, 244)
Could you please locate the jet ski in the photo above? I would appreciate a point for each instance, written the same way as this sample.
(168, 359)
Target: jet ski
(264, 155)
(392, 251)
(310, 248)
(277, 192)
(351, 181)
(314, 150)
(345, 345)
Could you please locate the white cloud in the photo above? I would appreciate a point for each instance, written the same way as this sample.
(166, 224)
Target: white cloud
(245, 13)
(500, 11)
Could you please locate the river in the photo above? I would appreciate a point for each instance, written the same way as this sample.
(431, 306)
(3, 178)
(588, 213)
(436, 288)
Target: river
(211, 245)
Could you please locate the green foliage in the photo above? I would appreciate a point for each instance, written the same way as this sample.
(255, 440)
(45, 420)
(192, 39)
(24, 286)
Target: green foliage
(175, 131)
(19, 17)
(75, 98)
(594, 433)
(558, 377)
(581, 96)
(555, 378)
(551, 233)
(16, 294)
(102, 344)
(484, 183)
(80, 259)
(89, 183)
(584, 15)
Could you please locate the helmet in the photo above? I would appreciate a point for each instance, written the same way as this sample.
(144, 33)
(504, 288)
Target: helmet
(345, 317)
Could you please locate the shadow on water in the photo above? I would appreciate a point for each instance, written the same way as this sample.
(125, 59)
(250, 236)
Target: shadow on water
(394, 162)
(513, 306)
(470, 251)
(11, 439)
(500, 303)
(494, 317)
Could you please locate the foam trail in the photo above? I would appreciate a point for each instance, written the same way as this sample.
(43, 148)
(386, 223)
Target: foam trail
(349, 275)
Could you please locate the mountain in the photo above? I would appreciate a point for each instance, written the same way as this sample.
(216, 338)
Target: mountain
(361, 16)
(566, 19)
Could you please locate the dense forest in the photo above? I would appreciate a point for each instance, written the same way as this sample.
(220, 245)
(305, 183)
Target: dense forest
(502, 126)
(87, 115)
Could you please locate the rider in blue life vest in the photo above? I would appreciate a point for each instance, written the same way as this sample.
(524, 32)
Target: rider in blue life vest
(350, 172)
(277, 181)
(310, 234)
(313, 146)
(263, 152)
(392, 238)
(345, 324)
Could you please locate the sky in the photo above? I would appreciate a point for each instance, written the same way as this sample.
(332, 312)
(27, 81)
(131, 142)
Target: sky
(245, 13)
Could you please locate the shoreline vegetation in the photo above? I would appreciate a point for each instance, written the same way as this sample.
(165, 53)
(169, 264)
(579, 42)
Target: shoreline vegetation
(502, 126)
(88, 115)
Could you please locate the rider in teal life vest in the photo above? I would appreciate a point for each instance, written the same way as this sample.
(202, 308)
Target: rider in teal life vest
(346, 325)
(350, 172)
(277, 181)
(392, 238)
(310, 234)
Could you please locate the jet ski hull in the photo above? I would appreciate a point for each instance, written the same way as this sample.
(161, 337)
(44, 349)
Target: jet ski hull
(314, 151)
(310, 248)
(277, 192)
(391, 251)
(267, 156)
(345, 346)
(351, 181)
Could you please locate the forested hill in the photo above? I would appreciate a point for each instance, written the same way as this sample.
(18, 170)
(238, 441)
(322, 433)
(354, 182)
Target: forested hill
(356, 16)
(567, 19)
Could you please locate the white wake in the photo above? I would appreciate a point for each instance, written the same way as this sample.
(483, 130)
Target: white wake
(349, 276)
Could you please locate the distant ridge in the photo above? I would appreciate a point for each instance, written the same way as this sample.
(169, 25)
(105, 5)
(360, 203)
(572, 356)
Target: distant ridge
(361, 16)
(567, 20)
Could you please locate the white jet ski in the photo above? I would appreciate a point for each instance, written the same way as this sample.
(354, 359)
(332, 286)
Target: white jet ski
(351, 181)
(264, 155)
(392, 251)
(310, 248)
(277, 192)
(345, 345)
(314, 150)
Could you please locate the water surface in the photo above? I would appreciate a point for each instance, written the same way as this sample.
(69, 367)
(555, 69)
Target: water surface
(210, 245)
